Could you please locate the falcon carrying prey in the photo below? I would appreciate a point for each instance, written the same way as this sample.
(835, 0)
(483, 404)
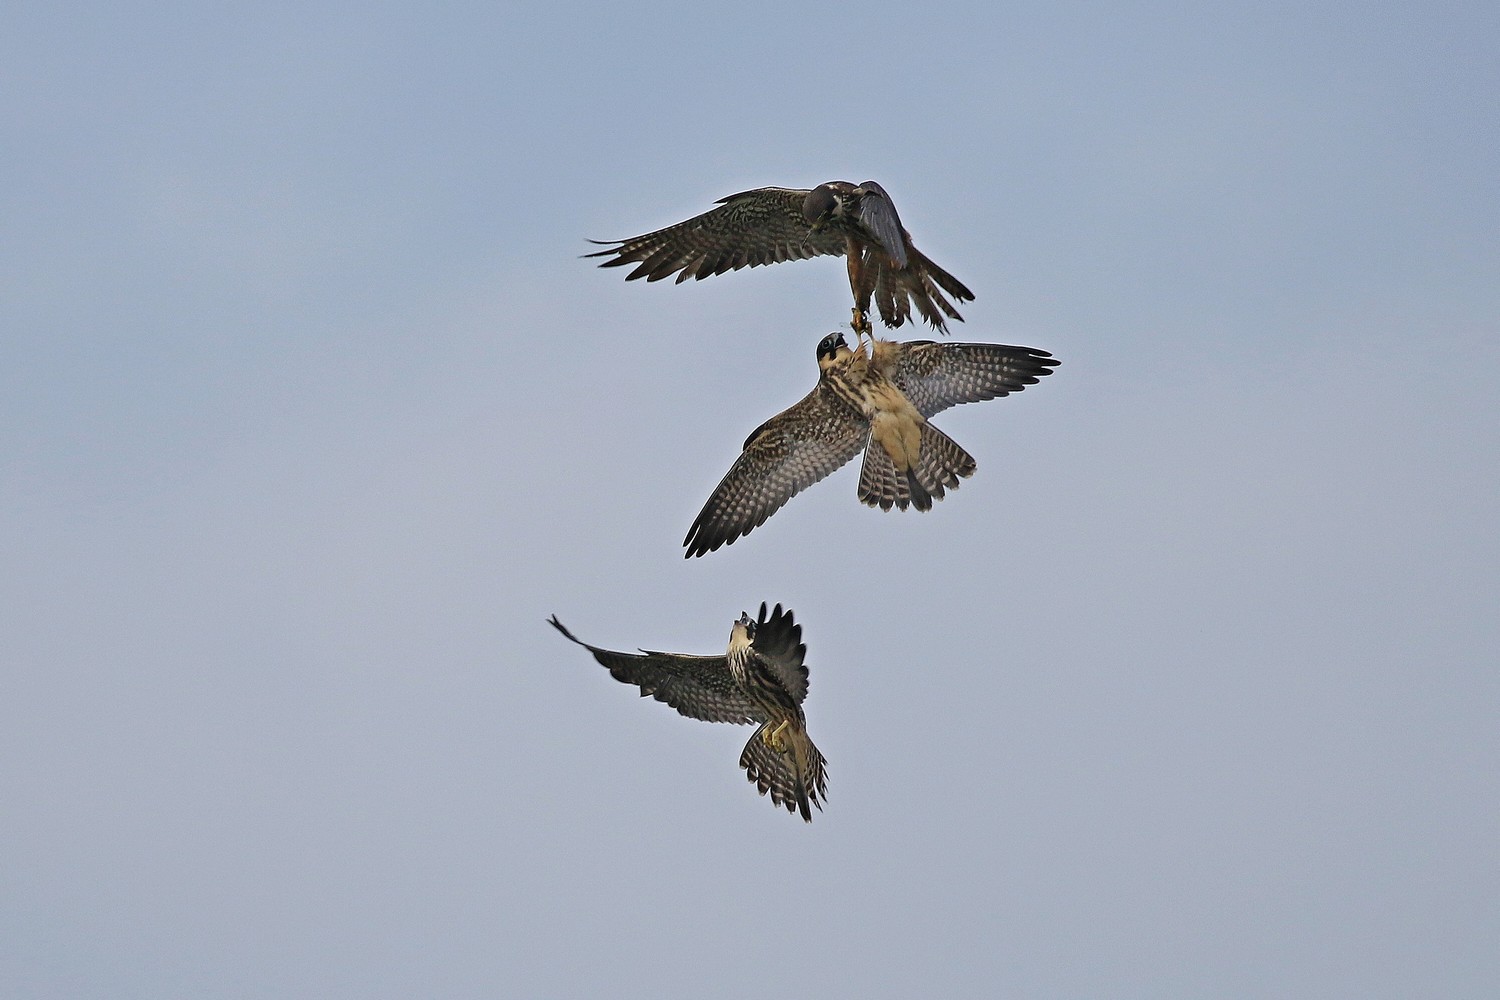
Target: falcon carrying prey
(878, 402)
(773, 224)
(761, 678)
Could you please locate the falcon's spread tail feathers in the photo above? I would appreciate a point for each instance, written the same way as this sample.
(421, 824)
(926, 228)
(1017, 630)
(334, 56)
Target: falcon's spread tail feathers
(939, 465)
(795, 777)
(920, 283)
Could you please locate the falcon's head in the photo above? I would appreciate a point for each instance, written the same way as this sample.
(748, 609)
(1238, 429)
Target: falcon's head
(828, 347)
(742, 634)
(821, 204)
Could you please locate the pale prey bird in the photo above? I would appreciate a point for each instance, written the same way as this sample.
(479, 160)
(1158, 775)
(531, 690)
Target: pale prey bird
(772, 224)
(760, 678)
(877, 402)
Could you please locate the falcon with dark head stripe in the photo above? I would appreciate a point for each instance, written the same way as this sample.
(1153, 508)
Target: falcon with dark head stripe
(877, 402)
(760, 678)
(768, 225)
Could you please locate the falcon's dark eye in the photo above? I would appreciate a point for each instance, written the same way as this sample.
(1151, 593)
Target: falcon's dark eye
(819, 204)
(829, 345)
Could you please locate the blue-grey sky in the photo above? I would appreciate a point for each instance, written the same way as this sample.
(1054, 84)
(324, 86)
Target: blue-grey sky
(310, 415)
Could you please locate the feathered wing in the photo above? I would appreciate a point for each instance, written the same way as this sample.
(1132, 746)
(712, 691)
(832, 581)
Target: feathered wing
(877, 214)
(699, 687)
(781, 458)
(941, 462)
(935, 376)
(795, 778)
(778, 643)
(749, 229)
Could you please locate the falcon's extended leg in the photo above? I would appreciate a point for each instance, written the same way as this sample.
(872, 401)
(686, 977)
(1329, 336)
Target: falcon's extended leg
(772, 737)
(861, 325)
(854, 257)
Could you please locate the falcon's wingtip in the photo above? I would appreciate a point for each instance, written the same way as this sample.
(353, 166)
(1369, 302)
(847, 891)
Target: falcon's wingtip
(555, 623)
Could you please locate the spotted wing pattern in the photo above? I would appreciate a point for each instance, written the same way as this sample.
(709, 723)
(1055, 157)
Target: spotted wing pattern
(781, 458)
(936, 376)
(749, 229)
(699, 687)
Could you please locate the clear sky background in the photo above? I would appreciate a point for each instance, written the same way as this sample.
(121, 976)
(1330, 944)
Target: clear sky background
(310, 415)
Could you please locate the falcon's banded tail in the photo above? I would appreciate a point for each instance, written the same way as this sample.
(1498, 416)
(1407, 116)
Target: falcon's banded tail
(939, 466)
(795, 778)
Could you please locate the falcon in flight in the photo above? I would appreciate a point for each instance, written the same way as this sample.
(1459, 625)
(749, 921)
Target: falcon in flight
(772, 224)
(877, 402)
(760, 678)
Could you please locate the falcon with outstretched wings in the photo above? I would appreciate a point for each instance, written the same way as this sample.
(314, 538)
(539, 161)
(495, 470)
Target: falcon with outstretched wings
(879, 403)
(760, 678)
(772, 224)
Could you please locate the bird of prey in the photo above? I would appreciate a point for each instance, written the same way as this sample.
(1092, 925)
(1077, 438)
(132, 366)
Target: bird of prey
(760, 678)
(880, 402)
(767, 225)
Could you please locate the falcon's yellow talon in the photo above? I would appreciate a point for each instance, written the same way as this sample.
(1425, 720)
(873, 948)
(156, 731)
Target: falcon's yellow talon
(860, 324)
